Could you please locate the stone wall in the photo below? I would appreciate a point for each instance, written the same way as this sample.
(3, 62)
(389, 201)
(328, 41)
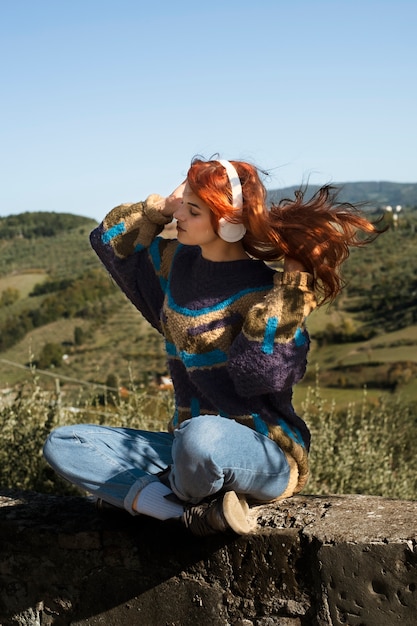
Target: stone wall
(321, 561)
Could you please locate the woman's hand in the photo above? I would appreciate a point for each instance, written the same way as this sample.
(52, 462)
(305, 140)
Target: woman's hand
(291, 265)
(173, 201)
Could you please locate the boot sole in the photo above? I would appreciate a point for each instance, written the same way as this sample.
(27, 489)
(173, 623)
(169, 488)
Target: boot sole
(235, 510)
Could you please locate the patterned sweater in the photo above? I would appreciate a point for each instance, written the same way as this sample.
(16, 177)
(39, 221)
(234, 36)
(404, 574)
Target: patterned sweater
(235, 336)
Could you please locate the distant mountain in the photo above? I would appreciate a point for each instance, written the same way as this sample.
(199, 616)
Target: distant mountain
(376, 194)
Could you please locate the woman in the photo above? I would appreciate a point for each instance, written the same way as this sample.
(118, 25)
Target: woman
(236, 344)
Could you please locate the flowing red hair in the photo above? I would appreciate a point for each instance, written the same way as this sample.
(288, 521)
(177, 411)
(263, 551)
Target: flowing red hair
(318, 232)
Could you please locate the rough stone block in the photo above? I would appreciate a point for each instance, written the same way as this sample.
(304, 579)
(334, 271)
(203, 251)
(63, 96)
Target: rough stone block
(313, 561)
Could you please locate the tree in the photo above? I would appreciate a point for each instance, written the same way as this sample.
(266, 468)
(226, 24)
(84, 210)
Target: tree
(79, 336)
(51, 355)
(9, 296)
(112, 392)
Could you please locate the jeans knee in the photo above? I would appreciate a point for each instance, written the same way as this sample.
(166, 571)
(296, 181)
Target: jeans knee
(196, 472)
(198, 439)
(52, 447)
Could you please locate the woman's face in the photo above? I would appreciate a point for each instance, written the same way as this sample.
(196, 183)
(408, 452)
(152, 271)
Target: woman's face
(194, 221)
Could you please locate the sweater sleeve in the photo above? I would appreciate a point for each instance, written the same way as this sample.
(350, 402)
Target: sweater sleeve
(270, 353)
(126, 242)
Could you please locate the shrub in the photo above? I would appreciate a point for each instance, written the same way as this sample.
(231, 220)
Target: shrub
(9, 296)
(51, 355)
(26, 422)
(79, 336)
(24, 425)
(368, 449)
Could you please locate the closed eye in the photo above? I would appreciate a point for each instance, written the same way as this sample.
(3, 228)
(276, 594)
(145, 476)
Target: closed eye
(194, 209)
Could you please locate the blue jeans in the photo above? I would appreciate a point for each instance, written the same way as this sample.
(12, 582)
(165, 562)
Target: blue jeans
(206, 454)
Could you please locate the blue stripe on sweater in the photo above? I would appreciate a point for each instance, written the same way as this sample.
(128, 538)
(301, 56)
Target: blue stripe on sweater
(171, 349)
(269, 336)
(216, 307)
(207, 359)
(299, 338)
(260, 425)
(115, 230)
(156, 261)
(293, 433)
(195, 407)
(155, 255)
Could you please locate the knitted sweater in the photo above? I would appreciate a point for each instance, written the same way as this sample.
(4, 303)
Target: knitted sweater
(234, 331)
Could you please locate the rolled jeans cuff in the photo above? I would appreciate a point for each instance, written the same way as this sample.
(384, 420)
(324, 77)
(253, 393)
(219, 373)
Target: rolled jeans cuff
(135, 489)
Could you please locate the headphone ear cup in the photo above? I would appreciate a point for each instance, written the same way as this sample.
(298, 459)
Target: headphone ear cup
(230, 232)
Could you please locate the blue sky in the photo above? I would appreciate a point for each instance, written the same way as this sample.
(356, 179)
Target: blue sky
(106, 101)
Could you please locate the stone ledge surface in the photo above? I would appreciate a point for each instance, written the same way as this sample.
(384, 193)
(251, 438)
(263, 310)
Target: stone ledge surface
(313, 561)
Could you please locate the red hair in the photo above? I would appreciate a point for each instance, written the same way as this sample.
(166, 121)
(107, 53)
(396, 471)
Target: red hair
(318, 233)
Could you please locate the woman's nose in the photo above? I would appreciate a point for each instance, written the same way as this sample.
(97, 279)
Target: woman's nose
(177, 214)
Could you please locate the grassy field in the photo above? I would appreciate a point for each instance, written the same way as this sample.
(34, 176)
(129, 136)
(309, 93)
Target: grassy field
(386, 352)
(22, 281)
(126, 346)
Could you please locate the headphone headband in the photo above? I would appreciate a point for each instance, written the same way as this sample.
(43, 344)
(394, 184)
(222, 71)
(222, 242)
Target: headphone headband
(234, 180)
(229, 231)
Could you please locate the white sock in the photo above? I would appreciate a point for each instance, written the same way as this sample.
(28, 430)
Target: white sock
(151, 501)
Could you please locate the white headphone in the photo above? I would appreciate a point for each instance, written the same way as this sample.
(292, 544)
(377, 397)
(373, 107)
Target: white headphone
(228, 231)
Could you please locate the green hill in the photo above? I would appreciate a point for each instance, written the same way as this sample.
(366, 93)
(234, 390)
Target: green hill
(56, 243)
